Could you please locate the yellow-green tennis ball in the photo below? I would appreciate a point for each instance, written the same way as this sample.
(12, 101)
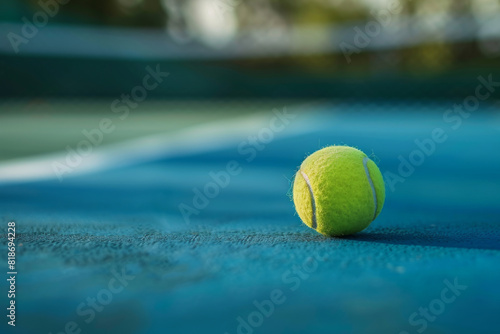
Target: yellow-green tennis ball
(338, 191)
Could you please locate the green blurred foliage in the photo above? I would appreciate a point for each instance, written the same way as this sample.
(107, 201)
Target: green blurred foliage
(127, 13)
(267, 19)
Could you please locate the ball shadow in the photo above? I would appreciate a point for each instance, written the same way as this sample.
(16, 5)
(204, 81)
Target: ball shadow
(487, 238)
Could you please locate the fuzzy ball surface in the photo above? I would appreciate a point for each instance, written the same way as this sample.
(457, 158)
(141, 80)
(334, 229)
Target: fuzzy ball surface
(338, 191)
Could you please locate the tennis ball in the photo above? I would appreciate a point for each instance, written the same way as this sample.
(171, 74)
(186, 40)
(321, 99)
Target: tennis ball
(338, 191)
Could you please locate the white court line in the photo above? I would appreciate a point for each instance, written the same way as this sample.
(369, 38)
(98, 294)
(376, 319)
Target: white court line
(197, 139)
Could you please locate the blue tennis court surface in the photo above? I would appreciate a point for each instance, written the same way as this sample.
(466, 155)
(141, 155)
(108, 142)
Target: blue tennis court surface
(111, 248)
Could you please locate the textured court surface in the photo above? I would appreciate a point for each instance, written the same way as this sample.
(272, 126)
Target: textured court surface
(442, 223)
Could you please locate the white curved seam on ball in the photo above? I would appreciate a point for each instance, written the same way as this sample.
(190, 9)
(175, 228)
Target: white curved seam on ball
(313, 202)
(374, 193)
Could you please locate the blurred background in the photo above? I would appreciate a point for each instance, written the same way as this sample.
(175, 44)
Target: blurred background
(64, 62)
(368, 49)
